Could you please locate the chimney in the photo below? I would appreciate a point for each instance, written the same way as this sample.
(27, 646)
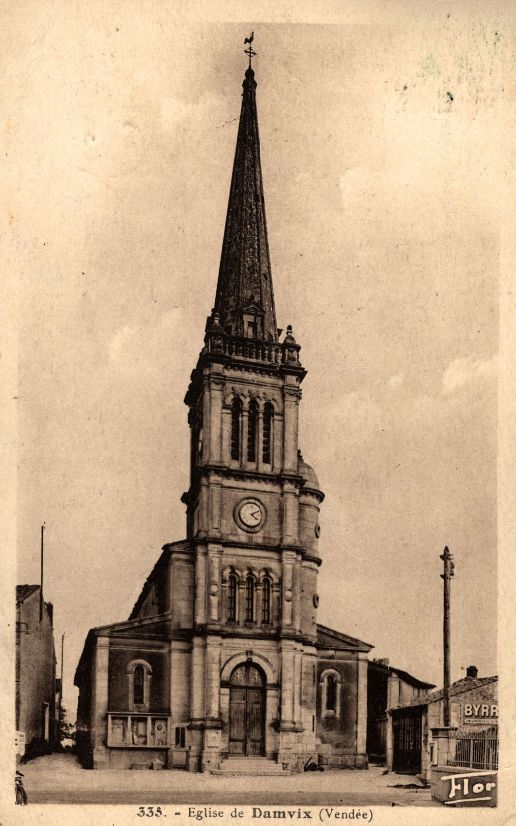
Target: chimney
(472, 671)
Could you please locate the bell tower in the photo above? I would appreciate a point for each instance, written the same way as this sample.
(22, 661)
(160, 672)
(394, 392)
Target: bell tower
(252, 504)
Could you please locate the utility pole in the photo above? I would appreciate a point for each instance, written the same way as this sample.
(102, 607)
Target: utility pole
(61, 691)
(446, 577)
(41, 576)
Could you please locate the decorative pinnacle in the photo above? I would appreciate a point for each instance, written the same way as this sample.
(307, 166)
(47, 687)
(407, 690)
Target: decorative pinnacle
(250, 51)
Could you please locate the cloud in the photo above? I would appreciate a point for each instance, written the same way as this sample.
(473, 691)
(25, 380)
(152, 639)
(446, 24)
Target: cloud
(461, 372)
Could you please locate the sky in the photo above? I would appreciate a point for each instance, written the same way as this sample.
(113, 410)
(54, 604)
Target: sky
(381, 175)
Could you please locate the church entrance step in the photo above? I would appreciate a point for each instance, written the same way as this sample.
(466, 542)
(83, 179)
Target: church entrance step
(249, 765)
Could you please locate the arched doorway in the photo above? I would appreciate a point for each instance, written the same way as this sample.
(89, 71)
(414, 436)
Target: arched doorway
(247, 710)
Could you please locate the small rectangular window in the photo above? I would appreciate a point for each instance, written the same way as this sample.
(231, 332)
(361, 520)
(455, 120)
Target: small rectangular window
(180, 737)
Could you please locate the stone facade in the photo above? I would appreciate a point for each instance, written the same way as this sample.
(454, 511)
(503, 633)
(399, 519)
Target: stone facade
(35, 668)
(222, 656)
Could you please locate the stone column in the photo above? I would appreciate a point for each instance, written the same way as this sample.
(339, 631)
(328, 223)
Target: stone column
(361, 751)
(196, 704)
(290, 514)
(226, 435)
(290, 430)
(296, 598)
(214, 556)
(277, 442)
(445, 743)
(100, 703)
(200, 586)
(216, 388)
(213, 649)
(215, 503)
(287, 588)
(206, 422)
(287, 686)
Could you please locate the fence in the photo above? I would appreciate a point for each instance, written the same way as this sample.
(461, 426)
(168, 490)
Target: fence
(478, 750)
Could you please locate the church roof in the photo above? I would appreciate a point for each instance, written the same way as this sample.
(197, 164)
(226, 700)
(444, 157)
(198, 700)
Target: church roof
(329, 638)
(24, 591)
(245, 278)
(307, 472)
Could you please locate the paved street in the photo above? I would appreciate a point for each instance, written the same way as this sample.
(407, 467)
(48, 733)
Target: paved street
(60, 779)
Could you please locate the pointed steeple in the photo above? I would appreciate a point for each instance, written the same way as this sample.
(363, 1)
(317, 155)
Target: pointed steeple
(245, 299)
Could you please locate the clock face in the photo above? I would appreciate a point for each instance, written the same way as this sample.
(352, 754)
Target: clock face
(251, 515)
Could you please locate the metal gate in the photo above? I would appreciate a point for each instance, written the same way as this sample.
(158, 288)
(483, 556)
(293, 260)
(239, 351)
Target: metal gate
(406, 741)
(247, 711)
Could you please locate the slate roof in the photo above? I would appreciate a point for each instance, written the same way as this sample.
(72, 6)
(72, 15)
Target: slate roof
(456, 688)
(329, 638)
(403, 675)
(24, 591)
(245, 278)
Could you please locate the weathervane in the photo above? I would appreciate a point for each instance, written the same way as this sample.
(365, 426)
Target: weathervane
(250, 51)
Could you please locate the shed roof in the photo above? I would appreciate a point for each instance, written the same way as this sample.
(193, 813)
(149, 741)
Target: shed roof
(24, 591)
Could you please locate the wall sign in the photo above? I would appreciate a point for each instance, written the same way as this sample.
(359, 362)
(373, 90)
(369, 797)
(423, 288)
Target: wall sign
(480, 712)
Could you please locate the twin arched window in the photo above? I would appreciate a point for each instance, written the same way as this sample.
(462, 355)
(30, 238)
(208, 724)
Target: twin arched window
(250, 599)
(252, 431)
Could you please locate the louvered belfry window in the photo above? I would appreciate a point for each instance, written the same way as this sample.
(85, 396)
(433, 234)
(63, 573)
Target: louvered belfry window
(268, 415)
(266, 601)
(236, 416)
(252, 425)
(249, 599)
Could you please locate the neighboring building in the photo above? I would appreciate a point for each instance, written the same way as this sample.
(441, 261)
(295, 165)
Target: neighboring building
(222, 656)
(35, 669)
(473, 708)
(386, 687)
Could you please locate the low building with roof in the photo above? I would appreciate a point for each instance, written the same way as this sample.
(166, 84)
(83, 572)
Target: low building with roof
(473, 708)
(387, 686)
(35, 692)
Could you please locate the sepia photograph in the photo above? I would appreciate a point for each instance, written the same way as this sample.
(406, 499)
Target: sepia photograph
(255, 407)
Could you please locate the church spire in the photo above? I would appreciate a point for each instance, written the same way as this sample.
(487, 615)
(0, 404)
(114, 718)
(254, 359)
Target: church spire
(245, 301)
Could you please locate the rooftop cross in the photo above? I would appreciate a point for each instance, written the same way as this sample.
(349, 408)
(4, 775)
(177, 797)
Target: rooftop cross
(250, 51)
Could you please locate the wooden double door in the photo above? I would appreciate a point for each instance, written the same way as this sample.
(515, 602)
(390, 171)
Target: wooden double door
(247, 711)
(407, 727)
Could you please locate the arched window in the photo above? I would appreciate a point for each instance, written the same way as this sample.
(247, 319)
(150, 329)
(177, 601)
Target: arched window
(252, 427)
(266, 600)
(236, 416)
(139, 682)
(249, 599)
(268, 415)
(331, 693)
(331, 688)
(232, 598)
(138, 685)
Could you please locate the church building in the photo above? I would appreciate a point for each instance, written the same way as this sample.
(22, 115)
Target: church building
(222, 665)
